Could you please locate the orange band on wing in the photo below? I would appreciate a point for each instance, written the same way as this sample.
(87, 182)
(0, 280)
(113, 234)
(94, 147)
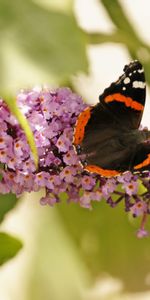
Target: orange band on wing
(80, 125)
(126, 100)
(145, 163)
(100, 171)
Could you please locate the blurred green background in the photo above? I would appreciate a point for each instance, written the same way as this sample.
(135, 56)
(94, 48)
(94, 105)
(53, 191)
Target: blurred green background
(70, 253)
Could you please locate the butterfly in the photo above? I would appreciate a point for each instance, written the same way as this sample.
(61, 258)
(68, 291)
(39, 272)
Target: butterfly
(107, 137)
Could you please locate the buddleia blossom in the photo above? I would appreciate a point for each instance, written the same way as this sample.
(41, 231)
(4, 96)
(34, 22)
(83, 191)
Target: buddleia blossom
(52, 115)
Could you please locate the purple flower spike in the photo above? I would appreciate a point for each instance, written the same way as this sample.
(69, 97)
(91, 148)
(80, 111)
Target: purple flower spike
(52, 115)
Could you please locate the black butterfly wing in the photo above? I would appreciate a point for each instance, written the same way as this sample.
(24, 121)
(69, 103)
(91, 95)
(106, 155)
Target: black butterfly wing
(141, 159)
(102, 133)
(125, 98)
(105, 148)
(112, 151)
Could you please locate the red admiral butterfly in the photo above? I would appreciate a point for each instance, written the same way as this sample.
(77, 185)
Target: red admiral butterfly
(107, 135)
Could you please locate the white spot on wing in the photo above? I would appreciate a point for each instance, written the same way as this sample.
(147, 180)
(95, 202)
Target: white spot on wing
(140, 70)
(124, 88)
(126, 80)
(139, 84)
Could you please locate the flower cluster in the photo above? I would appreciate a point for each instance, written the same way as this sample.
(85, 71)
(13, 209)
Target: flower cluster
(52, 116)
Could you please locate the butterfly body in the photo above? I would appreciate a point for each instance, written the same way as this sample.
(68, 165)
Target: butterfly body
(107, 135)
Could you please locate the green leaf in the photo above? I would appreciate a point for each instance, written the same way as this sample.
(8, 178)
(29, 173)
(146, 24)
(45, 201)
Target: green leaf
(50, 39)
(142, 189)
(9, 247)
(11, 102)
(106, 239)
(7, 202)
